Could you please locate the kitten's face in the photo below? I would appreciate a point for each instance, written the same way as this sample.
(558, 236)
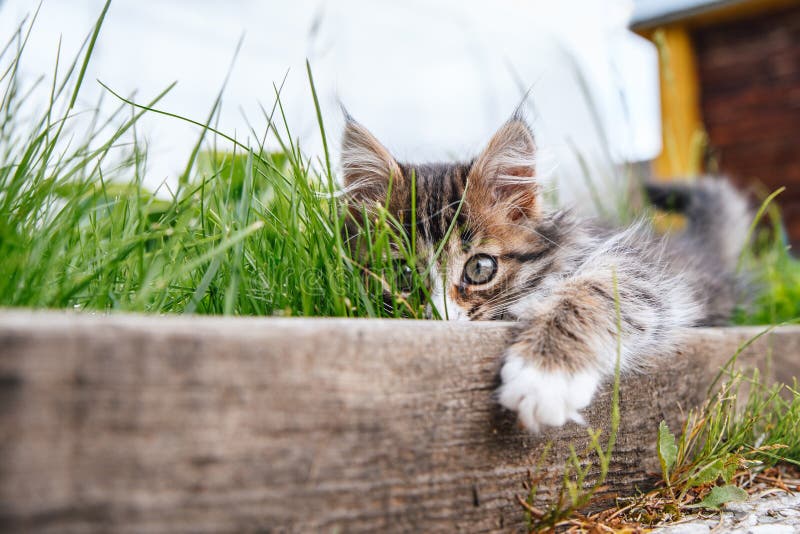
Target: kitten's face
(486, 241)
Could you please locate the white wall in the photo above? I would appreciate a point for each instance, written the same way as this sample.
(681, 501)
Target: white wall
(431, 79)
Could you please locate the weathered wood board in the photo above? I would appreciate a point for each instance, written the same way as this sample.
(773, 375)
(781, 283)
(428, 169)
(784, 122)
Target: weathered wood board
(177, 424)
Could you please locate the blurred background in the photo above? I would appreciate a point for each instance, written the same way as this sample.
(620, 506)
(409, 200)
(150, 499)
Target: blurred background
(669, 88)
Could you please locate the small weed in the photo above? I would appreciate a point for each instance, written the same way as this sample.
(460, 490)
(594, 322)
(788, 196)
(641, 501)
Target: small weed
(726, 450)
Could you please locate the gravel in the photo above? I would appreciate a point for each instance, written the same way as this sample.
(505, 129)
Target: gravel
(770, 514)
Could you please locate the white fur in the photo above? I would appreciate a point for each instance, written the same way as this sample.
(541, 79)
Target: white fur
(544, 398)
(447, 307)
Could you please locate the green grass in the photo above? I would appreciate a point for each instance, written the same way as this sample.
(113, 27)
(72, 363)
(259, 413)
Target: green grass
(244, 232)
(775, 275)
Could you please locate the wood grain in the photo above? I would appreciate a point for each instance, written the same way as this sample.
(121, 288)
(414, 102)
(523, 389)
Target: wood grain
(168, 424)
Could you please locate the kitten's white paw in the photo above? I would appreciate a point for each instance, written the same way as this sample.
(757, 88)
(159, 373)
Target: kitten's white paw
(544, 397)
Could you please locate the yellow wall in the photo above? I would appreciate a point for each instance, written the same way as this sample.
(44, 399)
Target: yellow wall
(682, 131)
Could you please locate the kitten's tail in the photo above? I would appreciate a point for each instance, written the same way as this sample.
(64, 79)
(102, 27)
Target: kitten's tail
(718, 215)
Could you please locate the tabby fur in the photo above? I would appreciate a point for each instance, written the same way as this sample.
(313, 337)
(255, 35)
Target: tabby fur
(559, 277)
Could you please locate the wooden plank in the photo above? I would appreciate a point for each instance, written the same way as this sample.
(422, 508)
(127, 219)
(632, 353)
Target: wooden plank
(170, 424)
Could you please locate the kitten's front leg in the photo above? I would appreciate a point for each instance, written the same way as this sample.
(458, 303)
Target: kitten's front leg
(565, 348)
(543, 396)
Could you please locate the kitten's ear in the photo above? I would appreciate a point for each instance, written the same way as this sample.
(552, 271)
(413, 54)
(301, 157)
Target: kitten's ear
(367, 165)
(504, 174)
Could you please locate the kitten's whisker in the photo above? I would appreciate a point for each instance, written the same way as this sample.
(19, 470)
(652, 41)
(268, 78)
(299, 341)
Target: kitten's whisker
(508, 300)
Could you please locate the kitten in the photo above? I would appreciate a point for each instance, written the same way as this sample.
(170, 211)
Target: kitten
(557, 276)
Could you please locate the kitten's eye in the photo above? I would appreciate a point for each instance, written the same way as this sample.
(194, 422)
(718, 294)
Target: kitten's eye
(404, 276)
(480, 268)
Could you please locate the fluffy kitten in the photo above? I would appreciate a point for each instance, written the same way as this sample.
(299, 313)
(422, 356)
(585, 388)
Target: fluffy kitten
(552, 272)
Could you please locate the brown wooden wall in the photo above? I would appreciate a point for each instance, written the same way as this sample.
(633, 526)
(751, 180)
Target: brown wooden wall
(749, 73)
